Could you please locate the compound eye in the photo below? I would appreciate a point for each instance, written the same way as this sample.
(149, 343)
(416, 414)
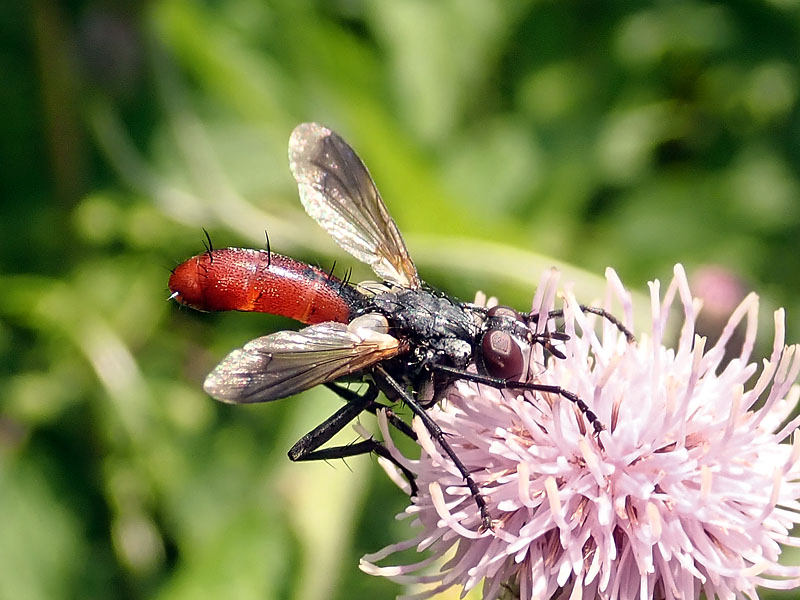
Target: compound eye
(502, 355)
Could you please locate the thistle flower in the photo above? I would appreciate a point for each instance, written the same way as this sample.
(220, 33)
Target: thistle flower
(690, 491)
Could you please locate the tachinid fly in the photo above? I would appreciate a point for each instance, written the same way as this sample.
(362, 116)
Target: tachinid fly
(401, 336)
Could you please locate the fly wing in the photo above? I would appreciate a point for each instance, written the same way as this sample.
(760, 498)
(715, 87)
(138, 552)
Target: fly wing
(337, 191)
(288, 362)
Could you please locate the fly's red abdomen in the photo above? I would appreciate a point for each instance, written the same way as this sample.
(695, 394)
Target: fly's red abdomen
(261, 281)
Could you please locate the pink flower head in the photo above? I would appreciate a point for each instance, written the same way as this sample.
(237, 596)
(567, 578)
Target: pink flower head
(691, 490)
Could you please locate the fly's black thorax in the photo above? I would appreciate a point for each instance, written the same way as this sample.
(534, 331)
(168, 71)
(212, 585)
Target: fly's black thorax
(435, 326)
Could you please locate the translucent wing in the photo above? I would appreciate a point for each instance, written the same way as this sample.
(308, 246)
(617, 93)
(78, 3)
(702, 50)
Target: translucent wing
(338, 192)
(288, 362)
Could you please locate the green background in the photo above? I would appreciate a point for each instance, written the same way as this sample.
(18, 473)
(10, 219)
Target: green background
(505, 137)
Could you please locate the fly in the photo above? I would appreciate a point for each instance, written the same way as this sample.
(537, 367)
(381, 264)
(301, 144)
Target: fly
(401, 336)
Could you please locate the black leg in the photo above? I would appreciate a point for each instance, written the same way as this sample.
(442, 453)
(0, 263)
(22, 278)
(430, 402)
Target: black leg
(397, 391)
(307, 447)
(349, 395)
(554, 314)
(504, 384)
(370, 446)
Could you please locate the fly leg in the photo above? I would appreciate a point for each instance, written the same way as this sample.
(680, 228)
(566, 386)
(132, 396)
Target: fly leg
(349, 395)
(546, 338)
(505, 384)
(396, 391)
(307, 447)
(554, 314)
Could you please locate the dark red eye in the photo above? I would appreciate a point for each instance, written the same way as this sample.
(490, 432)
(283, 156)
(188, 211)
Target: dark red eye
(502, 356)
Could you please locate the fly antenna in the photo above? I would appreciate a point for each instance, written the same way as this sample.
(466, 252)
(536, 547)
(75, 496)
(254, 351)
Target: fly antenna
(209, 246)
(269, 251)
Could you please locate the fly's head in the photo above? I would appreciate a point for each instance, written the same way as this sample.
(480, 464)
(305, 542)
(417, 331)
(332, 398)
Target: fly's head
(505, 345)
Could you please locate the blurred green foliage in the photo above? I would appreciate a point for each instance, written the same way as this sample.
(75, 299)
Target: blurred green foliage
(504, 136)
